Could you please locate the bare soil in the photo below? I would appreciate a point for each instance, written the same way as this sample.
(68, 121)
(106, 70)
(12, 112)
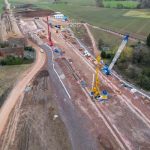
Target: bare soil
(34, 13)
(32, 124)
(103, 136)
(81, 32)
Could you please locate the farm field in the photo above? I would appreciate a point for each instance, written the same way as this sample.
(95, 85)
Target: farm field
(1, 5)
(120, 20)
(108, 18)
(114, 19)
(8, 76)
(127, 4)
(108, 38)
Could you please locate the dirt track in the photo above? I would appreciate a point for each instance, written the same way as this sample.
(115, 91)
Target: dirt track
(32, 124)
(19, 88)
(96, 52)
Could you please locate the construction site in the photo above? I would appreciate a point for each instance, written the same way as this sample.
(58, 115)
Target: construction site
(69, 98)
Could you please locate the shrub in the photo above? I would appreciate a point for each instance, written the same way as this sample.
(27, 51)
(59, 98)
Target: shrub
(144, 81)
(11, 60)
(103, 54)
(148, 40)
(120, 6)
(100, 44)
(29, 48)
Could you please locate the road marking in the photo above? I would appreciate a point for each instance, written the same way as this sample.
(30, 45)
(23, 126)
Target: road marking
(58, 74)
(61, 82)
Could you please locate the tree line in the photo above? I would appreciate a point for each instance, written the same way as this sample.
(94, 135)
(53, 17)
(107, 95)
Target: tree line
(142, 3)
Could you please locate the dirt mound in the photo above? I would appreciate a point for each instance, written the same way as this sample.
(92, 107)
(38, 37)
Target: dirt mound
(35, 13)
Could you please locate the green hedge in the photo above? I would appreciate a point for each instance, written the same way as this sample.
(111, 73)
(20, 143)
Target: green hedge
(11, 60)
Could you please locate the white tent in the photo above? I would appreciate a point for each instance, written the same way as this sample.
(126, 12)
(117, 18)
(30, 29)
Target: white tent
(59, 16)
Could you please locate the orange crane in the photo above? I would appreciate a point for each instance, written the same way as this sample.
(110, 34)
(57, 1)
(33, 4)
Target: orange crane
(49, 33)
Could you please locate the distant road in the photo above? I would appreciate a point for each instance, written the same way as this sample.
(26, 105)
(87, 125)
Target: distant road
(112, 32)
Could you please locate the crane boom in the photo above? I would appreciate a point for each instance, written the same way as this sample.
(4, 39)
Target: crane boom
(120, 49)
(96, 91)
(96, 86)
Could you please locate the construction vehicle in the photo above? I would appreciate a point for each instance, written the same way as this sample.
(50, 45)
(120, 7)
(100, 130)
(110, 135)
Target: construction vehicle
(96, 92)
(41, 50)
(49, 33)
(58, 26)
(107, 69)
(86, 53)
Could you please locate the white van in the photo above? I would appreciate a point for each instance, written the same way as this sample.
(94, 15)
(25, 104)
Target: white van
(86, 53)
(41, 50)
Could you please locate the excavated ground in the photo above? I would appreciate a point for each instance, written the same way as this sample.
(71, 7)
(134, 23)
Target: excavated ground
(33, 13)
(32, 124)
(96, 126)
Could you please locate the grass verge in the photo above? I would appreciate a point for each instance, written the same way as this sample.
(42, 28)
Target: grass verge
(8, 76)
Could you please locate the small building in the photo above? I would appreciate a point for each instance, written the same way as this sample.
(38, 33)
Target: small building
(14, 47)
(19, 52)
(59, 16)
(57, 12)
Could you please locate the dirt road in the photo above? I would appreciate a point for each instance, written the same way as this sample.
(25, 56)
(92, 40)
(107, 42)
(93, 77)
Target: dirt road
(96, 52)
(19, 88)
(32, 123)
(132, 37)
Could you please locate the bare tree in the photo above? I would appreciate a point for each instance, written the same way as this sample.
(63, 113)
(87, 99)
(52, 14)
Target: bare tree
(145, 3)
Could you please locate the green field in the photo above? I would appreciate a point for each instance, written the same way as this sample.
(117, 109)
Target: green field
(109, 39)
(120, 20)
(8, 77)
(137, 13)
(80, 2)
(114, 19)
(1, 5)
(114, 4)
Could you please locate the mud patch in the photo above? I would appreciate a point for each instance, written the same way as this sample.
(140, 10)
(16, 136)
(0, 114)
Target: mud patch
(34, 13)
